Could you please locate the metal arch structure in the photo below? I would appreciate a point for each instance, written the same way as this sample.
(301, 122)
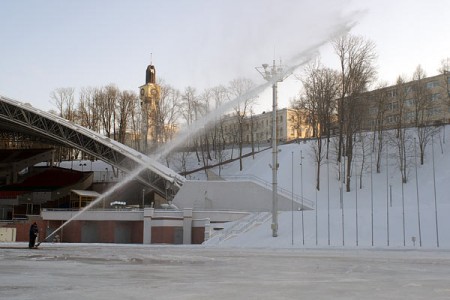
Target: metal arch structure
(21, 117)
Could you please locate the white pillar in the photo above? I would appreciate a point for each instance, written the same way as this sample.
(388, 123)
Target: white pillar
(147, 230)
(187, 226)
(207, 229)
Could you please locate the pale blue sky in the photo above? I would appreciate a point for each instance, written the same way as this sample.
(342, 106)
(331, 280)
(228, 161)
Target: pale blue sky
(53, 43)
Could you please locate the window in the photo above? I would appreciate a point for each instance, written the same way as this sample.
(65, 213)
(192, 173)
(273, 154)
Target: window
(408, 89)
(432, 84)
(392, 106)
(433, 111)
(410, 116)
(409, 102)
(392, 119)
(373, 110)
(392, 93)
(435, 97)
(372, 123)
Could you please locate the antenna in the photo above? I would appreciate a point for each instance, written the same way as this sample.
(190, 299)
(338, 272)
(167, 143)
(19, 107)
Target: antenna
(151, 58)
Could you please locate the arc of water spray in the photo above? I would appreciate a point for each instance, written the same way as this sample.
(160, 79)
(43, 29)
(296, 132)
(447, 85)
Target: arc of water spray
(295, 62)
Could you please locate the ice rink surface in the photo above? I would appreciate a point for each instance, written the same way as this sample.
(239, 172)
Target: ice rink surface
(106, 271)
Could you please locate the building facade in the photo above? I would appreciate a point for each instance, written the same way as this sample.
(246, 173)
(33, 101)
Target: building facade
(415, 103)
(291, 125)
(150, 94)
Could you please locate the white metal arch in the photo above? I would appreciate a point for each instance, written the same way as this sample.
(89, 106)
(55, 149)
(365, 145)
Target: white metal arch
(21, 117)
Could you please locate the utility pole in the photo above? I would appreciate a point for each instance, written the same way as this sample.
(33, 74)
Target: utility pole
(301, 187)
(273, 75)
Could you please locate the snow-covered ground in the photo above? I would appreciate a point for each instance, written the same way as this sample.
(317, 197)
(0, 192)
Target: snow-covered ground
(106, 271)
(397, 211)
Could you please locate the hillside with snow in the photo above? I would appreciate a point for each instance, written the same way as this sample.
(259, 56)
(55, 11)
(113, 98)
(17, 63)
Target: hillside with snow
(382, 213)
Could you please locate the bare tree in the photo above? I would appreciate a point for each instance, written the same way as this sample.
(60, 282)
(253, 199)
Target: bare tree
(219, 96)
(356, 56)
(192, 111)
(188, 100)
(136, 125)
(379, 100)
(445, 66)
(87, 110)
(106, 99)
(401, 134)
(320, 91)
(124, 109)
(204, 136)
(365, 150)
(237, 89)
(64, 100)
(422, 105)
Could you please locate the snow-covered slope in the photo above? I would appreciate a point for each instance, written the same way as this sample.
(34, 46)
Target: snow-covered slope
(384, 212)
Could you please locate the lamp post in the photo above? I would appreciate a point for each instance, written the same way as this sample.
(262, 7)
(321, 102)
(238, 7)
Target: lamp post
(273, 75)
(301, 192)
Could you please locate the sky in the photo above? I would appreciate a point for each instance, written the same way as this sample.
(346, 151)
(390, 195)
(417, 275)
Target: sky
(52, 44)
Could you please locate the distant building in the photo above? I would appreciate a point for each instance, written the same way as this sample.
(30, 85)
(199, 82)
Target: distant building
(150, 94)
(414, 103)
(291, 125)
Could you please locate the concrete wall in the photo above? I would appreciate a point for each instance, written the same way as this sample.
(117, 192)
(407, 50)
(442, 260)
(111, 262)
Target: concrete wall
(229, 195)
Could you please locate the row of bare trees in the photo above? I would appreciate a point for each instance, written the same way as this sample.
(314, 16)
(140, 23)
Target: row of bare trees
(210, 144)
(329, 94)
(117, 114)
(339, 101)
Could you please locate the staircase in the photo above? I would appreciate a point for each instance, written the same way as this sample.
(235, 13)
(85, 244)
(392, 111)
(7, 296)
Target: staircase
(238, 227)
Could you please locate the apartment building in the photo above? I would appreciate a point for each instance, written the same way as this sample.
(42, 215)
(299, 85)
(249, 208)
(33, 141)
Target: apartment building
(418, 102)
(291, 124)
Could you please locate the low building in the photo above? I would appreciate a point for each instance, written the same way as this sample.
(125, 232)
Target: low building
(291, 125)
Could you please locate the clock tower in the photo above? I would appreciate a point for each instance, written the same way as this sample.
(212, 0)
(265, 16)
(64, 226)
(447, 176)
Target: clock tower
(150, 94)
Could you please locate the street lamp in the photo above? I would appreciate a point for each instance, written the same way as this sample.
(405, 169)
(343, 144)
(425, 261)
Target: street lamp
(273, 75)
(301, 191)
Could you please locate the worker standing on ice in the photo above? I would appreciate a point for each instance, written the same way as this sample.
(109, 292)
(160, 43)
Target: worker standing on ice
(34, 231)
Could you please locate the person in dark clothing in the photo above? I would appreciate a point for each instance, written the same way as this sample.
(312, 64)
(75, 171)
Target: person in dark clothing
(33, 235)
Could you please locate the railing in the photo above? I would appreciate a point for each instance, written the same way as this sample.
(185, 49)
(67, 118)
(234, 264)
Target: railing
(240, 226)
(282, 191)
(93, 209)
